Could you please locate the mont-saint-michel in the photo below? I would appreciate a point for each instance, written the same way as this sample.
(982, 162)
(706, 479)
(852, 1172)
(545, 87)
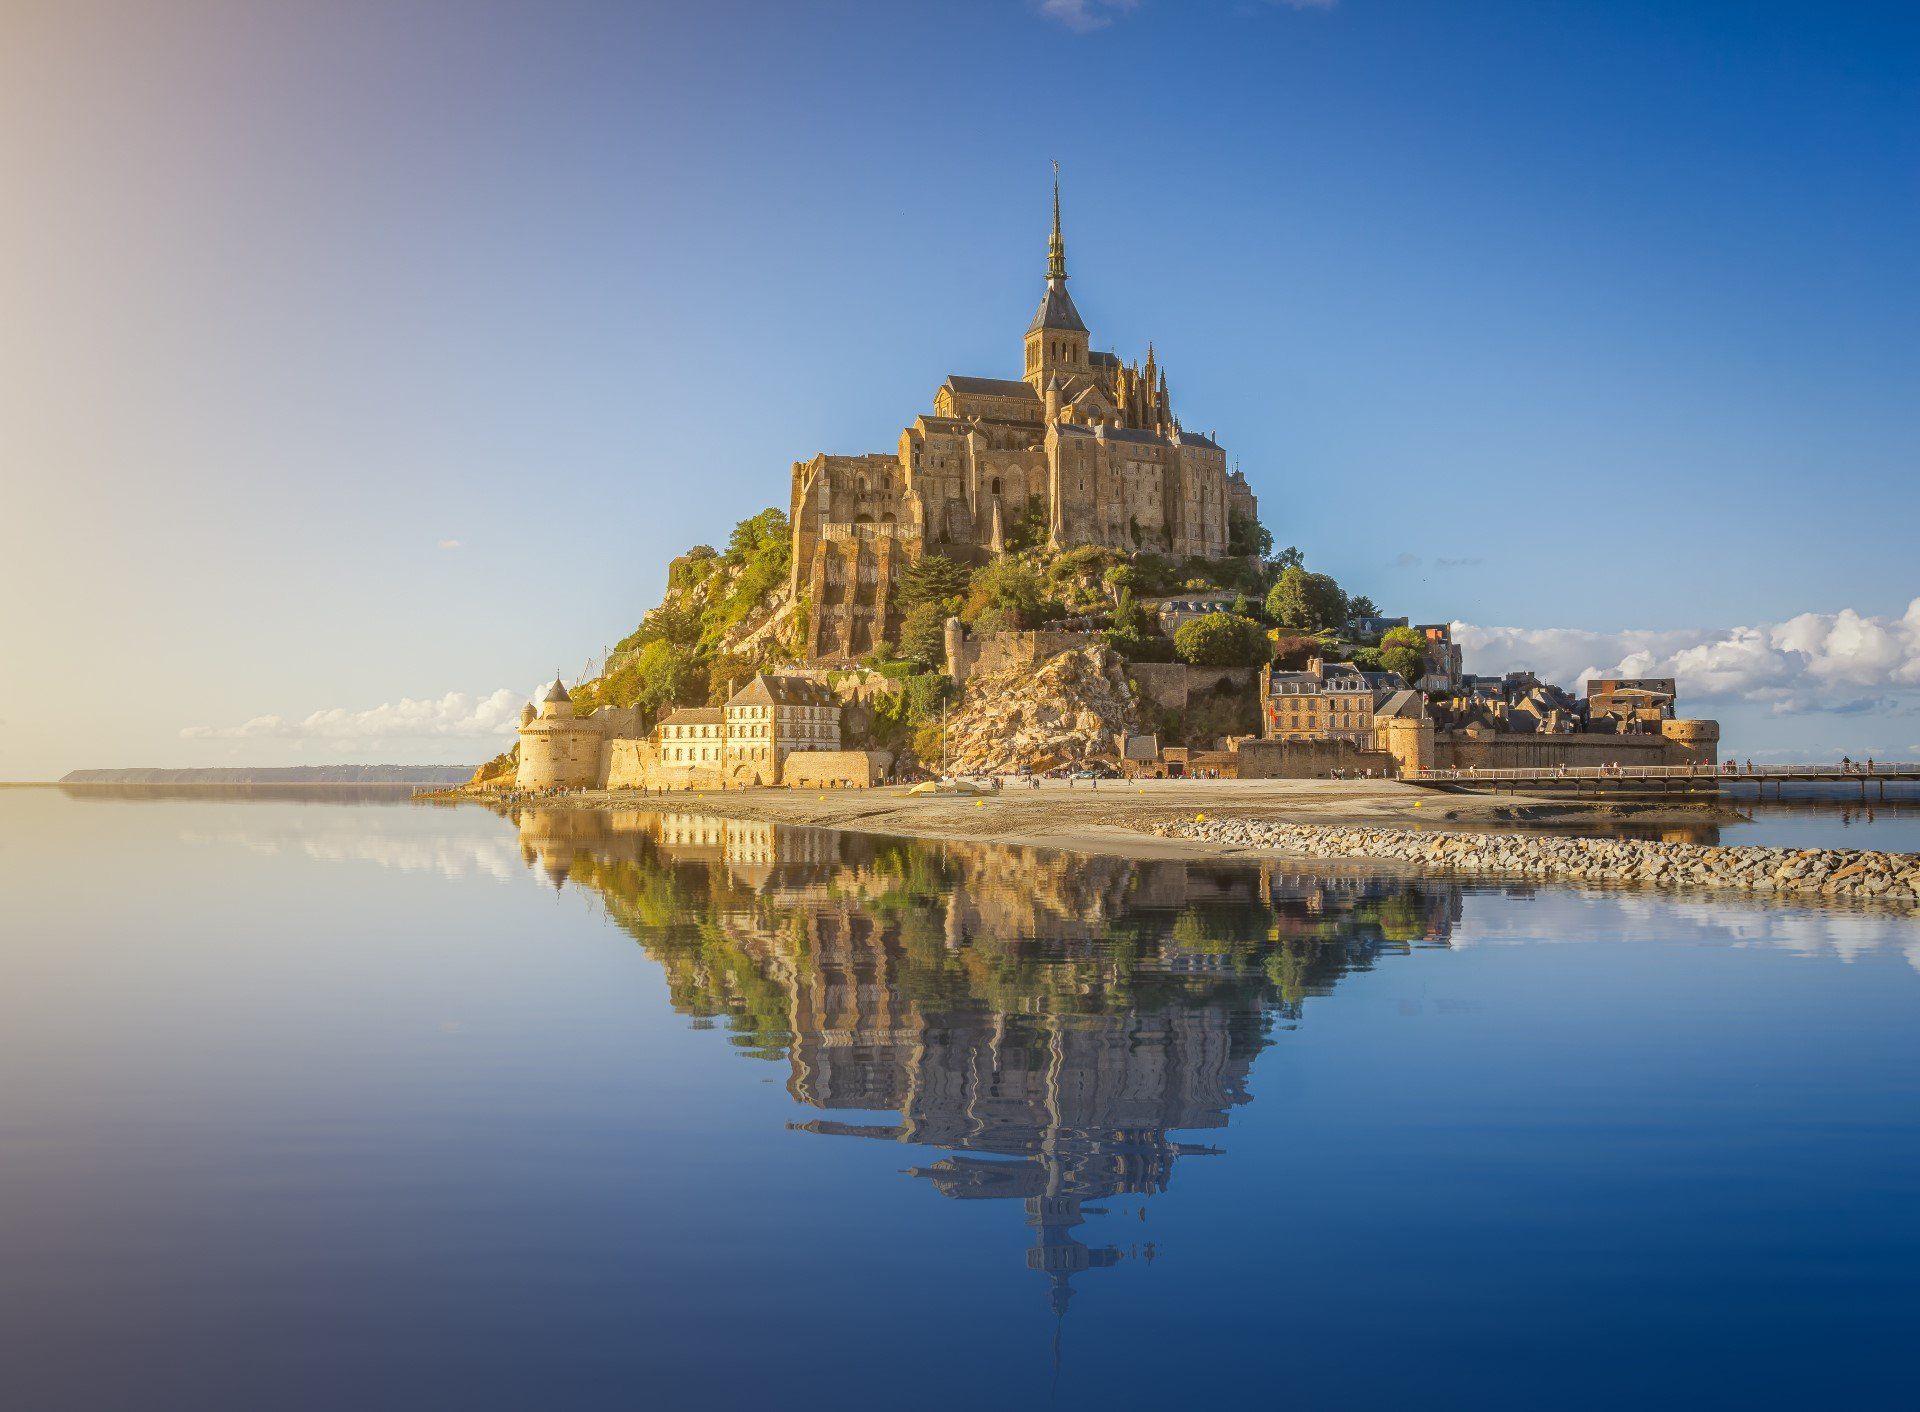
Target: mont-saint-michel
(1053, 578)
(684, 729)
(1051, 573)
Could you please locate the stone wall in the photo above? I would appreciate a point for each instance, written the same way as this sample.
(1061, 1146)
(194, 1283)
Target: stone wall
(992, 652)
(1455, 750)
(636, 764)
(1307, 759)
(1169, 685)
(829, 769)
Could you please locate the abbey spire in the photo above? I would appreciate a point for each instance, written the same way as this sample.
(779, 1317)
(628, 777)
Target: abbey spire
(1056, 247)
(1057, 338)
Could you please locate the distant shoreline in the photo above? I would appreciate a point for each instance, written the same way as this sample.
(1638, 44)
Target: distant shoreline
(443, 775)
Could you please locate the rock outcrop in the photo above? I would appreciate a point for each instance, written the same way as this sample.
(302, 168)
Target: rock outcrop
(1070, 709)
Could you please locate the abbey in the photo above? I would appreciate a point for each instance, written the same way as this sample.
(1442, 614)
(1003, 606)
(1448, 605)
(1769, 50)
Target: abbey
(1080, 450)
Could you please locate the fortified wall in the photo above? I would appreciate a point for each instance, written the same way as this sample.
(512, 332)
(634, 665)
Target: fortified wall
(1168, 685)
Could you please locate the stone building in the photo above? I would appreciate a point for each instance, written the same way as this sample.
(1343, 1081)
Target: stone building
(1327, 701)
(1630, 704)
(694, 736)
(777, 729)
(1080, 449)
(771, 717)
(562, 750)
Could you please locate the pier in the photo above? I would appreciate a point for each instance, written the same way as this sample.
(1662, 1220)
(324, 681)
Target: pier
(1668, 780)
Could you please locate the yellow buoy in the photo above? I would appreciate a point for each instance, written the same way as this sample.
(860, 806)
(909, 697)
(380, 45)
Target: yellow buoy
(979, 803)
(1199, 818)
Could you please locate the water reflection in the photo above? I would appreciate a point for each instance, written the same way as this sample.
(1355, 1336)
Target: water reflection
(1050, 1021)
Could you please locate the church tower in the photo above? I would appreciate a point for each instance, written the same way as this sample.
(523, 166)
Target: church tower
(1057, 338)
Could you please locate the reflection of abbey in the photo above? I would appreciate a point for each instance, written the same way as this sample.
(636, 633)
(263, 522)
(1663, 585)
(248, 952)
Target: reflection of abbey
(1080, 449)
(1053, 1023)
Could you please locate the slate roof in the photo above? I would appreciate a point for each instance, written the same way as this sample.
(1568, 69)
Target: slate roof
(991, 387)
(1112, 433)
(694, 716)
(556, 692)
(1401, 703)
(1056, 310)
(771, 690)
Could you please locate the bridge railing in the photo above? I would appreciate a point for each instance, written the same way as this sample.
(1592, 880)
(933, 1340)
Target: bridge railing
(1882, 769)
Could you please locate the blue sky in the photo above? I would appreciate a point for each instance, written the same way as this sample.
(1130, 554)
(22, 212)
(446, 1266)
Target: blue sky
(363, 354)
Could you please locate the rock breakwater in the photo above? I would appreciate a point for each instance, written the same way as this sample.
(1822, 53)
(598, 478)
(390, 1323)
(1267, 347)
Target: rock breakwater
(1839, 873)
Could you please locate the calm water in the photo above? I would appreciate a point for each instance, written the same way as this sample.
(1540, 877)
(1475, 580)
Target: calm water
(354, 1105)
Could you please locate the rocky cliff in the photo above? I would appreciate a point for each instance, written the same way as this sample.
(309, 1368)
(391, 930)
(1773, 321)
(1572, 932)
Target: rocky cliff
(1070, 709)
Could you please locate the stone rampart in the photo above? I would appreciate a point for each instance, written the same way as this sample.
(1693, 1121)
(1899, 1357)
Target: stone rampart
(1170, 685)
(968, 653)
(1307, 759)
(1457, 750)
(835, 769)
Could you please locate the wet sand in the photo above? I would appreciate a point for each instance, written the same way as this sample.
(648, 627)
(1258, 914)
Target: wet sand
(1116, 815)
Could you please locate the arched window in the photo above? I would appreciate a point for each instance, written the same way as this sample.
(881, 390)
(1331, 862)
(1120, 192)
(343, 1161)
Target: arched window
(996, 485)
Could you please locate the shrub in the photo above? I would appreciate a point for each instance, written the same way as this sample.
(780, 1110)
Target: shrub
(1221, 640)
(1006, 593)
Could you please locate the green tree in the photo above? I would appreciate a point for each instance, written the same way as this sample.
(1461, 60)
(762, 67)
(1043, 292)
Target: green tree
(1362, 607)
(1404, 660)
(1129, 618)
(1403, 650)
(658, 677)
(923, 634)
(1221, 640)
(1029, 527)
(1306, 602)
(1006, 593)
(1247, 536)
(757, 532)
(931, 578)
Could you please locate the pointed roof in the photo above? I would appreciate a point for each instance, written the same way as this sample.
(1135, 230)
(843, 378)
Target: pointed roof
(1056, 309)
(556, 692)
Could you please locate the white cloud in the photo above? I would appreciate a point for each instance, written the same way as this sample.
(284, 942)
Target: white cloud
(455, 715)
(1085, 15)
(1843, 662)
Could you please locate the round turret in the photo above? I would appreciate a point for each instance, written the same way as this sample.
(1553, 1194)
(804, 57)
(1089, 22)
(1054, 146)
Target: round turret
(1698, 742)
(556, 703)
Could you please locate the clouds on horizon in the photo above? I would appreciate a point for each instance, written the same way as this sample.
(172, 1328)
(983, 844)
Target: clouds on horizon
(455, 715)
(1844, 662)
